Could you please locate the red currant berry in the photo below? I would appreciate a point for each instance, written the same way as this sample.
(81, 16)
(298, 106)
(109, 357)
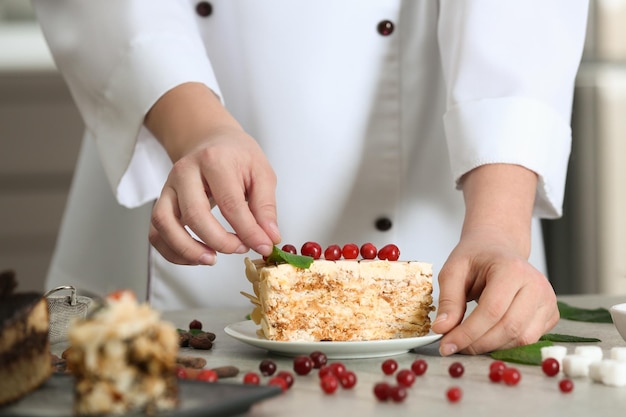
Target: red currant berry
(267, 367)
(332, 253)
(511, 376)
(207, 375)
(456, 370)
(405, 377)
(550, 366)
(419, 367)
(251, 378)
(325, 370)
(302, 364)
(289, 249)
(497, 366)
(496, 375)
(566, 385)
(398, 393)
(389, 253)
(287, 376)
(389, 366)
(181, 373)
(368, 251)
(454, 394)
(350, 251)
(312, 249)
(337, 368)
(329, 384)
(195, 325)
(382, 390)
(347, 379)
(319, 359)
(279, 382)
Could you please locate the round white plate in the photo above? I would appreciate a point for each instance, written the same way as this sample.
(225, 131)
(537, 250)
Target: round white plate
(245, 331)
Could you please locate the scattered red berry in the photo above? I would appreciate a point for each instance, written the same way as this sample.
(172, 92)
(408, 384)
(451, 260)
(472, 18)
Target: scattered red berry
(267, 367)
(496, 369)
(312, 249)
(368, 251)
(319, 359)
(419, 367)
(325, 370)
(511, 376)
(454, 394)
(550, 366)
(382, 391)
(456, 370)
(405, 377)
(329, 384)
(350, 251)
(287, 376)
(195, 324)
(251, 378)
(290, 249)
(181, 373)
(347, 379)
(389, 253)
(279, 382)
(337, 368)
(566, 385)
(207, 375)
(332, 253)
(398, 393)
(302, 364)
(389, 366)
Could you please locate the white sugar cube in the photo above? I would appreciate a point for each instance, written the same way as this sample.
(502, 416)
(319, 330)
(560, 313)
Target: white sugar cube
(618, 353)
(575, 366)
(557, 352)
(613, 373)
(595, 371)
(592, 352)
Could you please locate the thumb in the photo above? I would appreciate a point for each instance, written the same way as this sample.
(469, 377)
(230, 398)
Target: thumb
(452, 298)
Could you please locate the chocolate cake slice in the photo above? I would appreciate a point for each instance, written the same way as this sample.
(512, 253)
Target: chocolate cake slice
(24, 345)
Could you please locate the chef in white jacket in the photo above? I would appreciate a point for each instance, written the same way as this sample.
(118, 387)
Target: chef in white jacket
(440, 126)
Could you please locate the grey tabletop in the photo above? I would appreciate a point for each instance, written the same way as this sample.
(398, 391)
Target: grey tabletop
(535, 395)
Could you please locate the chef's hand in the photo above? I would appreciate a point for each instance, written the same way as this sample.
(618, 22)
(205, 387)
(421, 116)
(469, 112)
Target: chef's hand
(215, 163)
(515, 303)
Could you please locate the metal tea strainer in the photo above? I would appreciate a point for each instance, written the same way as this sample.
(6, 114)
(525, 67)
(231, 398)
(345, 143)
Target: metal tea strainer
(63, 309)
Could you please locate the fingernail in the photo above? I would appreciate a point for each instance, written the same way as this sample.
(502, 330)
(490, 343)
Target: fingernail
(242, 249)
(448, 349)
(207, 259)
(441, 317)
(264, 249)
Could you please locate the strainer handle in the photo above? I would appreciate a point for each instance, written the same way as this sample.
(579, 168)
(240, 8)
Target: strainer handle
(63, 288)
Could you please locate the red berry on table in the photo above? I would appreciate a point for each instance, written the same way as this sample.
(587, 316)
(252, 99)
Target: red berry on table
(419, 367)
(319, 359)
(279, 382)
(195, 325)
(267, 367)
(207, 375)
(550, 366)
(337, 368)
(511, 376)
(289, 249)
(302, 364)
(181, 373)
(251, 378)
(347, 379)
(397, 393)
(454, 394)
(382, 390)
(312, 249)
(332, 253)
(389, 366)
(389, 253)
(368, 251)
(287, 376)
(329, 384)
(496, 369)
(325, 370)
(350, 251)
(456, 370)
(405, 377)
(566, 385)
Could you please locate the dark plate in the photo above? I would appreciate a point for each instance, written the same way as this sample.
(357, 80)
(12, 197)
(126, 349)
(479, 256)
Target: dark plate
(55, 399)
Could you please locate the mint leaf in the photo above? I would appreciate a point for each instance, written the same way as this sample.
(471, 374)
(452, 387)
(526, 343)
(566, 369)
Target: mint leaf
(279, 256)
(525, 355)
(565, 338)
(598, 315)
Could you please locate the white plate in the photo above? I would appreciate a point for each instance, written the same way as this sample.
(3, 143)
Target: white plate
(245, 331)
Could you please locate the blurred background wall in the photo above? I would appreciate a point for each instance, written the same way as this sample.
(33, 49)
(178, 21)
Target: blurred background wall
(40, 132)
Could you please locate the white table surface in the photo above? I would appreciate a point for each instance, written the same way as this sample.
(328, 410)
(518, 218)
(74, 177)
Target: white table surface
(536, 394)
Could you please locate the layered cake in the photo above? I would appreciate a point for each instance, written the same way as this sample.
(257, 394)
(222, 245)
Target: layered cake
(341, 300)
(24, 346)
(123, 358)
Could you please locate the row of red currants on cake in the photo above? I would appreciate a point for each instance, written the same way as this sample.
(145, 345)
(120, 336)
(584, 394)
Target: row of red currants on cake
(334, 252)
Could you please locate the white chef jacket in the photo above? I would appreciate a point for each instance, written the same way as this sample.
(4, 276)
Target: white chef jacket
(366, 109)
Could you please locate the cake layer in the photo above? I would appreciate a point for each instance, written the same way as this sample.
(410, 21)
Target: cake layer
(342, 300)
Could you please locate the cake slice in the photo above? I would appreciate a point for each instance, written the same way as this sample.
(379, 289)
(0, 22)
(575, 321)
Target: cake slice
(343, 300)
(24, 345)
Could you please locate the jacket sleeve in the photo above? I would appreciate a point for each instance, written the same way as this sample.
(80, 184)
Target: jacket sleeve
(510, 68)
(117, 58)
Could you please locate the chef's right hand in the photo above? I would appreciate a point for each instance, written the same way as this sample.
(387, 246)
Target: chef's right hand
(216, 163)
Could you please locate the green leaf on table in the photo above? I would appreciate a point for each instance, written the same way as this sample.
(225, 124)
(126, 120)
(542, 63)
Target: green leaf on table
(566, 338)
(279, 256)
(525, 355)
(597, 315)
